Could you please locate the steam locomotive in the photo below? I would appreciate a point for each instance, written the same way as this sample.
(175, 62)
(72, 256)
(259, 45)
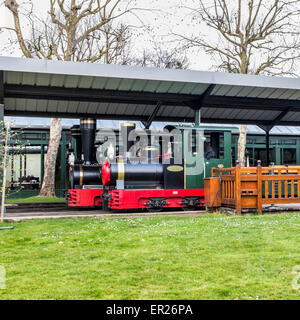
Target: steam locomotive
(142, 169)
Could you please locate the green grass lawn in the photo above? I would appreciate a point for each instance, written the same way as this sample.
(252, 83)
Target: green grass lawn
(209, 257)
(35, 200)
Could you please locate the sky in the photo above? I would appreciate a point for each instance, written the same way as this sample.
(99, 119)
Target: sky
(159, 17)
(155, 21)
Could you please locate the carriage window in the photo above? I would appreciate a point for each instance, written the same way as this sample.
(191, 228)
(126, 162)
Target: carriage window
(234, 139)
(283, 140)
(289, 156)
(214, 145)
(261, 154)
(194, 142)
(256, 140)
(233, 156)
(289, 141)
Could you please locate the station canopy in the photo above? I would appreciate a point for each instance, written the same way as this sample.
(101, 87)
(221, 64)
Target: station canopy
(43, 88)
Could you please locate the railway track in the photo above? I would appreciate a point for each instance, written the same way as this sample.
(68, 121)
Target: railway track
(28, 211)
(59, 211)
(35, 207)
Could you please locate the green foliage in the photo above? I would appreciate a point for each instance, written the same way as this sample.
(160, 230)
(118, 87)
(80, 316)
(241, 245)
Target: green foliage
(209, 257)
(36, 200)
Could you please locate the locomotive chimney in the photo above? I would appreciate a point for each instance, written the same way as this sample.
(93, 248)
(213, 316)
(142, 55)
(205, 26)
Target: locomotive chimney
(75, 132)
(126, 128)
(88, 132)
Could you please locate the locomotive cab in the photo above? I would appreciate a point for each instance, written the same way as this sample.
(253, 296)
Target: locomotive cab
(219, 138)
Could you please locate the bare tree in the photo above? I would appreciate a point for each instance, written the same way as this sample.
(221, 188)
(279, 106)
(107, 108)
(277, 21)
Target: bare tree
(75, 30)
(253, 36)
(159, 57)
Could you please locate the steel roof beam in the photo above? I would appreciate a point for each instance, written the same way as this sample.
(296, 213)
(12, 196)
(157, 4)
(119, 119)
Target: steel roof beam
(147, 98)
(1, 87)
(246, 103)
(276, 121)
(149, 121)
(197, 104)
(281, 116)
(80, 115)
(92, 95)
(131, 117)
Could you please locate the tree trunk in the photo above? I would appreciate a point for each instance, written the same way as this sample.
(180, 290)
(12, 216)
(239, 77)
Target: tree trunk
(243, 128)
(242, 145)
(4, 169)
(48, 187)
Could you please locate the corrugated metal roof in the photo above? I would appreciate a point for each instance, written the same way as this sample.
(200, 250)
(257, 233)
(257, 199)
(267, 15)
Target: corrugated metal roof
(69, 89)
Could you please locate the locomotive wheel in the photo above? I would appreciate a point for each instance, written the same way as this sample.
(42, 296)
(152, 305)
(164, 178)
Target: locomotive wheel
(153, 210)
(189, 208)
(156, 204)
(189, 205)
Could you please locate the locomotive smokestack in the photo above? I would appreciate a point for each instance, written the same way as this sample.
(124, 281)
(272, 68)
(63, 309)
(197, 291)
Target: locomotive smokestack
(75, 132)
(88, 132)
(126, 128)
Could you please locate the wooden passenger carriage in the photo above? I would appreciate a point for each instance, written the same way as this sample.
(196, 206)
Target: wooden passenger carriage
(252, 187)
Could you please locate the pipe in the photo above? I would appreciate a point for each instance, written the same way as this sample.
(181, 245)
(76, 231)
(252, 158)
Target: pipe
(126, 128)
(75, 132)
(88, 132)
